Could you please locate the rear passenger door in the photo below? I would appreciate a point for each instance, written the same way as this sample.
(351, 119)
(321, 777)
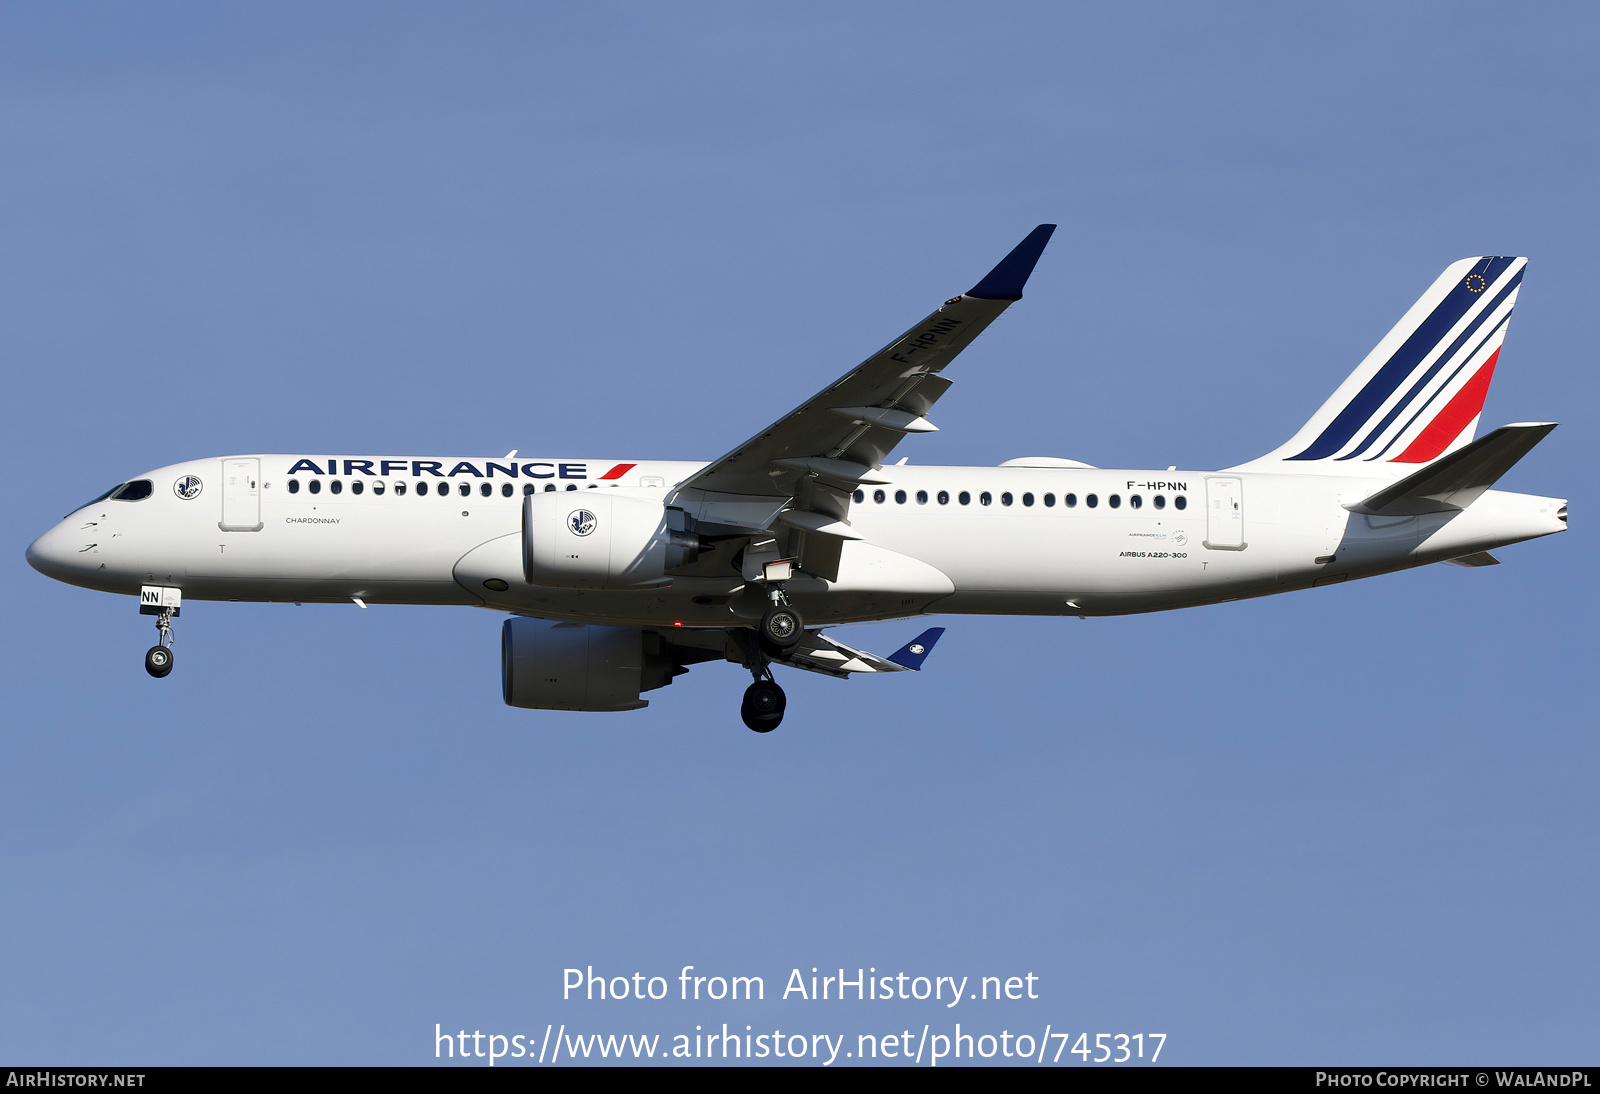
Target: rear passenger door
(1225, 514)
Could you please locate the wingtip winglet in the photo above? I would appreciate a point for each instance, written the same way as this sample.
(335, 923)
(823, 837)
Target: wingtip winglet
(1005, 281)
(913, 653)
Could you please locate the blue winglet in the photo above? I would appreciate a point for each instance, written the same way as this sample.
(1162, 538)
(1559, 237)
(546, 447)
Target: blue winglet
(913, 653)
(1005, 281)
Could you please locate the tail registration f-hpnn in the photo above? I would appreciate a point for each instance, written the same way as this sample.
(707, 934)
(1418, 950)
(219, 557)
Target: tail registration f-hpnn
(617, 575)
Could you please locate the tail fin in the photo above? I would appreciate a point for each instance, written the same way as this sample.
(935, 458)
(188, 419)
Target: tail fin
(1417, 396)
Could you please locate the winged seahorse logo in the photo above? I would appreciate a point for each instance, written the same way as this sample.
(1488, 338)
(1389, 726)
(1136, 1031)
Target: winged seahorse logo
(581, 521)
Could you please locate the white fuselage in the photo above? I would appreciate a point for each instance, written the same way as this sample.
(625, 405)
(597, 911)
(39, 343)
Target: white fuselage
(1026, 552)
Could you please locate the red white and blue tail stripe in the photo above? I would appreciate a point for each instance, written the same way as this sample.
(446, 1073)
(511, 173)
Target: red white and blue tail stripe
(1418, 395)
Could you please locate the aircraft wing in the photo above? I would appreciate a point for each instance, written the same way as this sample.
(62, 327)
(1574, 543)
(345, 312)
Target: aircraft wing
(819, 653)
(801, 470)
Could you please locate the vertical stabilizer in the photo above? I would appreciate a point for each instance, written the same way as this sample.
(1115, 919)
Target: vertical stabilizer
(1417, 396)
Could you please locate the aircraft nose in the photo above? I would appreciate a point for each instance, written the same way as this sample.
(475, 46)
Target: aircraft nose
(55, 554)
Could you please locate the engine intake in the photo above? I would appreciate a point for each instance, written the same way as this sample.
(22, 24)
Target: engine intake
(602, 540)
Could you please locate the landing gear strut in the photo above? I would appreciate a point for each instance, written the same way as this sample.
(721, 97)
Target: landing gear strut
(158, 658)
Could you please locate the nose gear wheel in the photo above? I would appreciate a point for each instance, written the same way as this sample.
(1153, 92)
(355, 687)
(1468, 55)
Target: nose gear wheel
(158, 661)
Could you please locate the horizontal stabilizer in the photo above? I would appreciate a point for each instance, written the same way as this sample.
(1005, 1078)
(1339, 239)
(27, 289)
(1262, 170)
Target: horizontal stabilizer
(1453, 482)
(1479, 558)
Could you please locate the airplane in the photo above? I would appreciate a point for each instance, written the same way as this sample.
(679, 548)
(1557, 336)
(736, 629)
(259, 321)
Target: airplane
(617, 575)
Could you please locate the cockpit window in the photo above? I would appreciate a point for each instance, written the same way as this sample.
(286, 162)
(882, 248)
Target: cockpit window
(137, 490)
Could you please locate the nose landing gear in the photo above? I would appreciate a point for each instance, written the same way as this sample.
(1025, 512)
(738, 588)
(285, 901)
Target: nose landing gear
(158, 658)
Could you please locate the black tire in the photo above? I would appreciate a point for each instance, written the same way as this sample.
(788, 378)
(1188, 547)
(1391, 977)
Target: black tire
(780, 631)
(158, 661)
(763, 706)
(759, 723)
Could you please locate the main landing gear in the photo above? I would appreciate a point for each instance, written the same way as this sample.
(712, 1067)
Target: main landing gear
(780, 630)
(763, 704)
(777, 635)
(158, 658)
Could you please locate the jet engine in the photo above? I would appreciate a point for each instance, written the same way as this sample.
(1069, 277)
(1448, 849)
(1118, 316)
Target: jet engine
(577, 666)
(602, 540)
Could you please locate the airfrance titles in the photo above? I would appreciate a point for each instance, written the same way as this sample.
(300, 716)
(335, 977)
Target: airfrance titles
(481, 469)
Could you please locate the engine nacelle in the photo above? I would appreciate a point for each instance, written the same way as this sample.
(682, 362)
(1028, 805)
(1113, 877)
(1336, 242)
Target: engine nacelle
(575, 666)
(602, 540)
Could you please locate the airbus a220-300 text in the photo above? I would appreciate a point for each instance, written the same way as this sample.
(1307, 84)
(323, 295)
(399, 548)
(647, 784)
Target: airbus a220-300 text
(618, 574)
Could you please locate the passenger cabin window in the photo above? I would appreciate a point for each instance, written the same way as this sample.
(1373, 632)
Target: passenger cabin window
(1049, 501)
(315, 486)
(1160, 502)
(505, 490)
(985, 498)
(944, 497)
(1180, 502)
(1136, 501)
(922, 497)
(965, 498)
(1005, 499)
(860, 495)
(572, 486)
(878, 496)
(1027, 499)
(355, 486)
(1070, 501)
(465, 489)
(899, 497)
(527, 487)
(1091, 500)
(549, 488)
(378, 487)
(1115, 501)
(294, 486)
(399, 489)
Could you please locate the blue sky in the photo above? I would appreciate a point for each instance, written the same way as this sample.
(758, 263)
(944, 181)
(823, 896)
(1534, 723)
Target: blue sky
(1354, 825)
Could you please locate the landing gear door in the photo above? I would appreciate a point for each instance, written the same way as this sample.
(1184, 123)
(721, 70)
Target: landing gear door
(241, 496)
(1225, 514)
